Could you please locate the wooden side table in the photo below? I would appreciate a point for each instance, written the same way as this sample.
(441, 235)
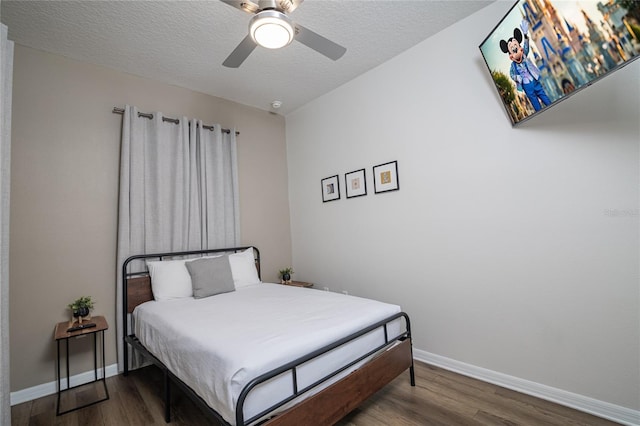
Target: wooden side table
(61, 333)
(300, 284)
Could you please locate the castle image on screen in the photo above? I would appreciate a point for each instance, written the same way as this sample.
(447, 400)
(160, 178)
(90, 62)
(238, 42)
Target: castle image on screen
(543, 51)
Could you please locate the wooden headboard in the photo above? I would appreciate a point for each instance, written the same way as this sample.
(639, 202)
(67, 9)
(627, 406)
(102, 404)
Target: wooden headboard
(137, 285)
(139, 291)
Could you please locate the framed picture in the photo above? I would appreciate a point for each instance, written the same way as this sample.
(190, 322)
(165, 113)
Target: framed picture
(385, 177)
(330, 189)
(355, 183)
(543, 52)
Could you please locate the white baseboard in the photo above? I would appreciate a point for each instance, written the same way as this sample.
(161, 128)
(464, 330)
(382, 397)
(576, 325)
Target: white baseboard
(50, 388)
(616, 413)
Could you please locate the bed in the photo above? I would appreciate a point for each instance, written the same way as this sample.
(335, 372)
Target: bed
(260, 353)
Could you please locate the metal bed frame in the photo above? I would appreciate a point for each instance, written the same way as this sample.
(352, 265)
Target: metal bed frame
(397, 356)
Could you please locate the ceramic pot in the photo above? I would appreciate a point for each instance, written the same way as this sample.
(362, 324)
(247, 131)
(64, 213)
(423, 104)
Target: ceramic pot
(81, 312)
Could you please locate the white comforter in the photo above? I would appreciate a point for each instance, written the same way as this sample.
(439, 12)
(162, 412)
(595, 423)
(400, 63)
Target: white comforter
(218, 344)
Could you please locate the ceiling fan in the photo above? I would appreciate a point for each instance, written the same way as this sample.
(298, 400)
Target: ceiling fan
(270, 27)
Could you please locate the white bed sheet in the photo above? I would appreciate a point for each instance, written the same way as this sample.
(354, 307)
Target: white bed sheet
(218, 344)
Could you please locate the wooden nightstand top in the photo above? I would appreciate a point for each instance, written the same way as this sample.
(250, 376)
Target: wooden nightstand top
(61, 328)
(300, 284)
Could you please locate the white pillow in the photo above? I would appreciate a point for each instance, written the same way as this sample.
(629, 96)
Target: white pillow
(243, 268)
(170, 279)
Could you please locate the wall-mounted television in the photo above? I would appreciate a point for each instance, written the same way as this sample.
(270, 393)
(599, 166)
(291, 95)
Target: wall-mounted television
(543, 51)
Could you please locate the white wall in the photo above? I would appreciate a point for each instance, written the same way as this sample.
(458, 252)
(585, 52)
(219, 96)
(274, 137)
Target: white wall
(502, 244)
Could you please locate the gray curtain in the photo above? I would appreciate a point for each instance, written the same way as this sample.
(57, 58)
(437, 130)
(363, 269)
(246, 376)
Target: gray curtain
(6, 79)
(178, 191)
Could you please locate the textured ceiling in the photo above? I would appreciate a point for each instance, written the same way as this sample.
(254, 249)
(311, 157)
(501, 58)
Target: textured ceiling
(185, 42)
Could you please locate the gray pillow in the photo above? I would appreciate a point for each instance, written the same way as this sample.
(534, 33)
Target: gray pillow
(210, 276)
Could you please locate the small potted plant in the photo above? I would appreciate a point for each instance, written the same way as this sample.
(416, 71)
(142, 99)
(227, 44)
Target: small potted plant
(285, 275)
(80, 308)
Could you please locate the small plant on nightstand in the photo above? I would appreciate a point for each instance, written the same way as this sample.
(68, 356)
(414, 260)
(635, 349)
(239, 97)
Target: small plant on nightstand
(80, 308)
(285, 275)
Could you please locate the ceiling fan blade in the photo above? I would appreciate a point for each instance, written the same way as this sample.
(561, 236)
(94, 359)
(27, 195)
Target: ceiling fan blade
(318, 43)
(244, 5)
(240, 53)
(288, 6)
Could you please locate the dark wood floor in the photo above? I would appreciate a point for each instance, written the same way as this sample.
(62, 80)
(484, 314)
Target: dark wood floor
(439, 398)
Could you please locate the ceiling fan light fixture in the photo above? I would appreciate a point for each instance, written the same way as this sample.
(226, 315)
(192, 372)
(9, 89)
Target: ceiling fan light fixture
(271, 29)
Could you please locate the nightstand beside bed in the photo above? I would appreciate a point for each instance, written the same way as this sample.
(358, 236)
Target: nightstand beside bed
(299, 284)
(62, 333)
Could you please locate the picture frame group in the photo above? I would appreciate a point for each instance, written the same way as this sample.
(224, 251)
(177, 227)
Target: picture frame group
(385, 179)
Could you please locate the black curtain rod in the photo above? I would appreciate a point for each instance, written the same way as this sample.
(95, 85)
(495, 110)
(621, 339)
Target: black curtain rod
(117, 110)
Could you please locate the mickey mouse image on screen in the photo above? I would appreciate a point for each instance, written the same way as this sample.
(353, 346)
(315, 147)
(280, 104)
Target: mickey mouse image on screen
(523, 71)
